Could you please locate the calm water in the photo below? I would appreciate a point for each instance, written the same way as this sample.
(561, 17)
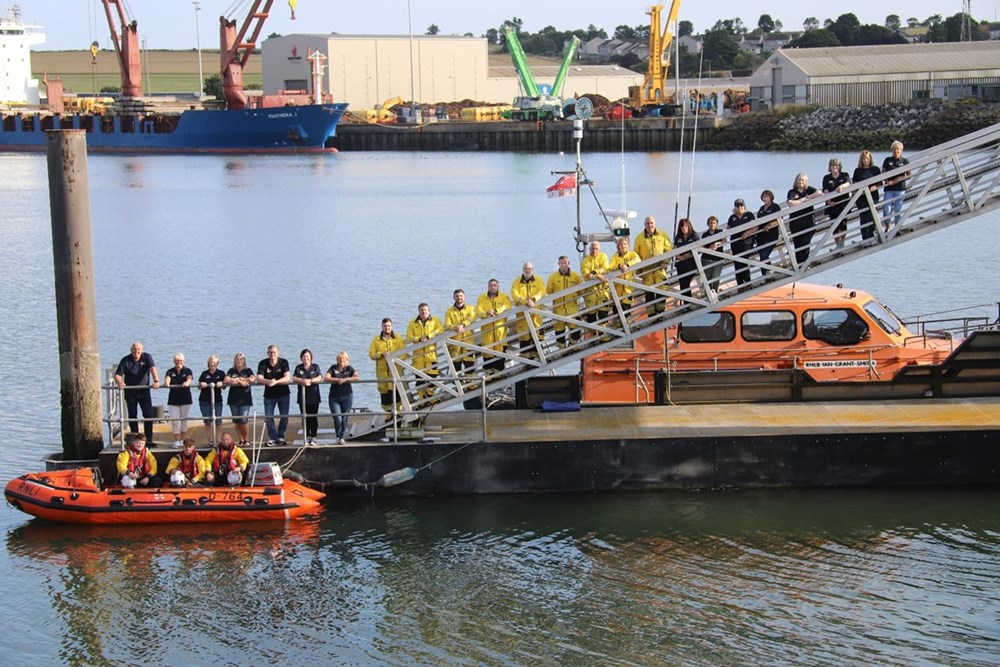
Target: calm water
(219, 255)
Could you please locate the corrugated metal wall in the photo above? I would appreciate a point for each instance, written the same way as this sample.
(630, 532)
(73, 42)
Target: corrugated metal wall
(858, 94)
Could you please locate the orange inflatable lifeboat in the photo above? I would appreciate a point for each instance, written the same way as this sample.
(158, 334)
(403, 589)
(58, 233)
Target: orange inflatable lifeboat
(73, 496)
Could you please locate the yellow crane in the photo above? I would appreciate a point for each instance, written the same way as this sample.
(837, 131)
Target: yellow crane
(651, 96)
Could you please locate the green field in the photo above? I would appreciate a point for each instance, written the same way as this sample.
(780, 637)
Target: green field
(168, 71)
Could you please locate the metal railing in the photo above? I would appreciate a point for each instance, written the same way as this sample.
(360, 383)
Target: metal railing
(953, 182)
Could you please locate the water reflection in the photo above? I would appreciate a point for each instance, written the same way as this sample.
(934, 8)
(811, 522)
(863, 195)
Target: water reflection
(132, 173)
(615, 579)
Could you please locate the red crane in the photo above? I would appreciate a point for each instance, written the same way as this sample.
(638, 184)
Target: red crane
(127, 49)
(237, 47)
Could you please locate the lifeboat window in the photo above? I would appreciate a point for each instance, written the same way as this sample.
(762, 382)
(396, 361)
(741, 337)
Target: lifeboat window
(836, 326)
(883, 317)
(709, 328)
(768, 325)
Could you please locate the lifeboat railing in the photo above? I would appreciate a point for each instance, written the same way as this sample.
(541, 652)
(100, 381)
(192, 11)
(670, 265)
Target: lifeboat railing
(950, 183)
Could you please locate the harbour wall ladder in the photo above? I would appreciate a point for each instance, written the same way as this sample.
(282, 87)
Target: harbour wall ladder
(948, 184)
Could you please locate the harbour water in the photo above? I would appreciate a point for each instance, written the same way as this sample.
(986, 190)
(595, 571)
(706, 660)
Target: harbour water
(216, 255)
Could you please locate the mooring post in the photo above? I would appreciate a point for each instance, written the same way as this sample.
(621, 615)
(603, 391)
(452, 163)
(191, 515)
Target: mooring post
(76, 301)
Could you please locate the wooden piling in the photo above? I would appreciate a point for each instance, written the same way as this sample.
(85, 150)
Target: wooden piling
(76, 301)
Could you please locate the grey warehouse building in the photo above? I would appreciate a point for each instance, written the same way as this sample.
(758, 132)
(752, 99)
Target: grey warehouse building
(873, 75)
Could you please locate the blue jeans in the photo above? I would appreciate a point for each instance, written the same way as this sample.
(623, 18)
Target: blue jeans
(892, 206)
(240, 413)
(340, 406)
(206, 411)
(269, 404)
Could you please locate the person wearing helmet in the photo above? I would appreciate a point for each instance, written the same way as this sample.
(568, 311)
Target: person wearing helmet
(226, 463)
(137, 466)
(187, 468)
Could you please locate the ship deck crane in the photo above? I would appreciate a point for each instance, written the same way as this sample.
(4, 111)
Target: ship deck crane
(651, 97)
(236, 47)
(126, 48)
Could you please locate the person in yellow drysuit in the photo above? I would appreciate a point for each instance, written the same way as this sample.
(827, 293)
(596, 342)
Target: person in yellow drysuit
(526, 290)
(593, 267)
(567, 306)
(491, 303)
(385, 342)
(650, 243)
(459, 318)
(424, 327)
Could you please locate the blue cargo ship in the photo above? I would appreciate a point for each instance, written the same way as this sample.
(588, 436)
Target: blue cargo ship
(284, 129)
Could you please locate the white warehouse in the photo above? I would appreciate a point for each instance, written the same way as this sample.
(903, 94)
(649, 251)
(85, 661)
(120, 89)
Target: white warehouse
(366, 70)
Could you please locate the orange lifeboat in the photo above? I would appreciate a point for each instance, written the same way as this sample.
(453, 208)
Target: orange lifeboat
(831, 334)
(73, 496)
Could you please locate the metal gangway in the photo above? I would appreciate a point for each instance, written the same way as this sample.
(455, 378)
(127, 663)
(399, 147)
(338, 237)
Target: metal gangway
(949, 183)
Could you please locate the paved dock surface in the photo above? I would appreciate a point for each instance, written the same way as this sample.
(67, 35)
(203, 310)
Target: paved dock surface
(693, 421)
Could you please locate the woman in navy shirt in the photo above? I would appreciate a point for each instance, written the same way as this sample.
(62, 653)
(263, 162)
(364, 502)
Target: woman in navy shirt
(340, 376)
(210, 382)
(309, 377)
(178, 378)
(686, 265)
(240, 400)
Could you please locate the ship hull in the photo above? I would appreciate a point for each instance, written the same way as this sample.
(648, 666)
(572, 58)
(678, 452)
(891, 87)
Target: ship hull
(290, 129)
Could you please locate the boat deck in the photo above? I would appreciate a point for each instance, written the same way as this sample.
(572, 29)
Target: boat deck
(748, 419)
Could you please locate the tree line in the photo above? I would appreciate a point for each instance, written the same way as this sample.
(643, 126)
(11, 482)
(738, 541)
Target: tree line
(721, 43)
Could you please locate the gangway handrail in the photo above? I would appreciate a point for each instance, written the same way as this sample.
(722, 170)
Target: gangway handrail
(948, 184)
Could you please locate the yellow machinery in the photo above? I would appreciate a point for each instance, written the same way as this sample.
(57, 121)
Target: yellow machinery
(383, 113)
(651, 97)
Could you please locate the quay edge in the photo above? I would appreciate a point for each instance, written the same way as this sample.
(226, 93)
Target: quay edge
(648, 134)
(640, 448)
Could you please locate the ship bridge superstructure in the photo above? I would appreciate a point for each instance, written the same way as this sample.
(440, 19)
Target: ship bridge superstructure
(951, 183)
(16, 39)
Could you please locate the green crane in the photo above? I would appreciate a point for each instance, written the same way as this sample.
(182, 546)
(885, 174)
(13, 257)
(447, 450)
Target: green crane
(538, 102)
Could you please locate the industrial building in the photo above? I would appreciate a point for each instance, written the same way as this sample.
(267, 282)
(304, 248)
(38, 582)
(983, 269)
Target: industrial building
(366, 70)
(873, 75)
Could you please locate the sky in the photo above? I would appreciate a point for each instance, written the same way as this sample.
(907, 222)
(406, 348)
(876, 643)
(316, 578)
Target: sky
(171, 24)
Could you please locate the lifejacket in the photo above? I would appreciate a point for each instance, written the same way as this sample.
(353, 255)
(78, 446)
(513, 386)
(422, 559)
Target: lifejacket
(221, 464)
(186, 465)
(138, 463)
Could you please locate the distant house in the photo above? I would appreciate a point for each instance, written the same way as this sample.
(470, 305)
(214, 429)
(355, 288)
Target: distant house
(693, 44)
(590, 50)
(750, 43)
(915, 35)
(992, 31)
(776, 40)
(872, 75)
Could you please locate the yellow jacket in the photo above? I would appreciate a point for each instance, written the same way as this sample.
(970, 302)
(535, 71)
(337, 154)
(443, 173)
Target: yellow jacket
(377, 351)
(494, 333)
(523, 290)
(651, 246)
(238, 455)
(426, 355)
(453, 317)
(123, 458)
(567, 305)
(621, 263)
(591, 267)
(200, 467)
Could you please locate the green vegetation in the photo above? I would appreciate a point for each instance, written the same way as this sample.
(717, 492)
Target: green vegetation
(721, 43)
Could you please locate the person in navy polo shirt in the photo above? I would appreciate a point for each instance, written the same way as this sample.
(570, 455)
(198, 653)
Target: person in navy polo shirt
(274, 373)
(135, 370)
